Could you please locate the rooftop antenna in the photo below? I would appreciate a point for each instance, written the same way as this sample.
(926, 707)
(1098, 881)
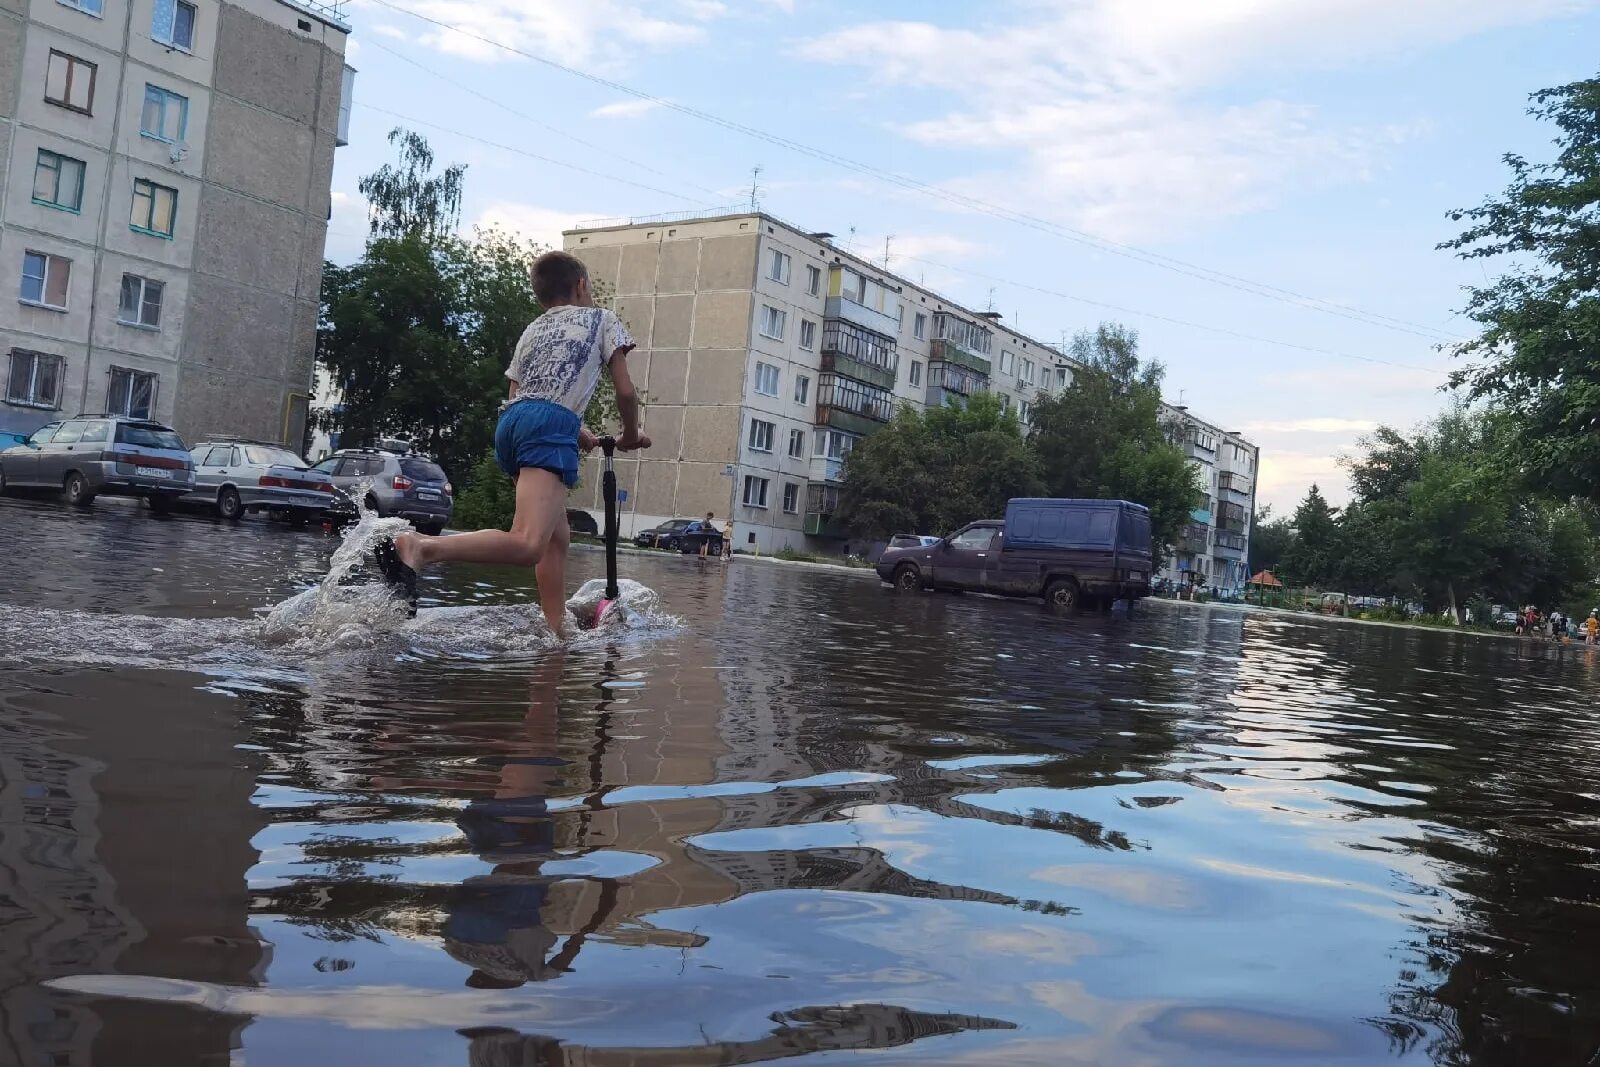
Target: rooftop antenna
(887, 241)
(991, 298)
(850, 243)
(1180, 396)
(755, 188)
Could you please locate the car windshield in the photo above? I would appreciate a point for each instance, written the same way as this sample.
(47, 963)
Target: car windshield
(149, 435)
(420, 470)
(272, 457)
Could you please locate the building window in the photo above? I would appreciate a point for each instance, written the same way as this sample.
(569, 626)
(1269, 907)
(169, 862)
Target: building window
(778, 267)
(773, 322)
(35, 379)
(847, 394)
(916, 372)
(808, 334)
(802, 388)
(1027, 371)
(58, 181)
(755, 491)
(45, 279)
(797, 444)
(767, 377)
(1008, 362)
(919, 327)
(791, 498)
(141, 301)
(173, 24)
(761, 434)
(1005, 401)
(155, 208)
(88, 7)
(1023, 410)
(69, 82)
(813, 280)
(834, 444)
(165, 116)
(132, 393)
(861, 345)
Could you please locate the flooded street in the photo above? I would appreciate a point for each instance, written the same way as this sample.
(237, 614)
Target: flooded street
(807, 819)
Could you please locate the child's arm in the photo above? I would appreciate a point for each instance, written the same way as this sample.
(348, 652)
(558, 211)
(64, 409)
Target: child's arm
(627, 404)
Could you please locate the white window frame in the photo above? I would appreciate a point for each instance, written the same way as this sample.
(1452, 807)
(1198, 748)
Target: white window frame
(125, 406)
(143, 303)
(762, 434)
(1026, 374)
(780, 267)
(93, 8)
(752, 481)
(916, 372)
(919, 326)
(813, 279)
(791, 498)
(773, 319)
(171, 31)
(31, 399)
(51, 263)
(762, 370)
(1008, 361)
(802, 389)
(808, 334)
(797, 444)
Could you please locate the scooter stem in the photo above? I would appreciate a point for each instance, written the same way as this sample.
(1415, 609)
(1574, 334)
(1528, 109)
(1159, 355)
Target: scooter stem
(608, 484)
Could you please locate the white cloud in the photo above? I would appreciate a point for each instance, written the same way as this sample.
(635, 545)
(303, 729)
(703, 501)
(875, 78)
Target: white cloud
(625, 109)
(598, 33)
(1106, 111)
(394, 33)
(1285, 476)
(539, 224)
(1312, 425)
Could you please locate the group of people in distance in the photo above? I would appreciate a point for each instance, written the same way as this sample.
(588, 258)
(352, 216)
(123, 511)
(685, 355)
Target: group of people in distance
(1558, 627)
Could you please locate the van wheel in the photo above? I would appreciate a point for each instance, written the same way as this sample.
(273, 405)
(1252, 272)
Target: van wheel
(229, 506)
(76, 488)
(907, 578)
(1062, 596)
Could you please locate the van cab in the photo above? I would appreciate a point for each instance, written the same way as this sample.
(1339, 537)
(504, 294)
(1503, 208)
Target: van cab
(1073, 553)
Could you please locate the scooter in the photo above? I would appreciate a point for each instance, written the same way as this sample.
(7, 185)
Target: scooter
(608, 487)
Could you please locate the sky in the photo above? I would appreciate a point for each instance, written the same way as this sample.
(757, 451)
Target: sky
(1256, 186)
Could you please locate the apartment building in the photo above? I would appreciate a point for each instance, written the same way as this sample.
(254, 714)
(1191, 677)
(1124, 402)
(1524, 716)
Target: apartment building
(164, 198)
(766, 352)
(1216, 544)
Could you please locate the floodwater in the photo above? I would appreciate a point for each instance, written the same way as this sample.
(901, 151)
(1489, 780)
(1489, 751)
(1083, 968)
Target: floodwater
(788, 815)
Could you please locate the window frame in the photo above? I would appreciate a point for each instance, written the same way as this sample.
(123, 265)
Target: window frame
(761, 429)
(791, 498)
(808, 334)
(777, 379)
(98, 11)
(914, 374)
(797, 437)
(777, 315)
(34, 357)
(133, 376)
(49, 258)
(83, 177)
(73, 63)
(153, 186)
(919, 326)
(171, 40)
(802, 388)
(781, 266)
(813, 280)
(752, 480)
(145, 282)
(164, 98)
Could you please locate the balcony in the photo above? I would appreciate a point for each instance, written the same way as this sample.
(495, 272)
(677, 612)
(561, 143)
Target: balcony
(822, 501)
(842, 307)
(1196, 540)
(827, 469)
(1201, 516)
(955, 378)
(853, 352)
(1232, 518)
(1231, 545)
(1233, 487)
(956, 355)
(852, 406)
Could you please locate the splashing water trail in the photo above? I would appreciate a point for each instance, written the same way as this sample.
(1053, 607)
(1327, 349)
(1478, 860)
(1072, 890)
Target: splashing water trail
(335, 613)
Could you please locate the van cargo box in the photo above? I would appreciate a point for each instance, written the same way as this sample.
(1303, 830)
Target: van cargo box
(1044, 522)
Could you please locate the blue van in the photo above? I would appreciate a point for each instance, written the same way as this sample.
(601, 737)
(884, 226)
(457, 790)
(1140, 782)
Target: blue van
(1073, 553)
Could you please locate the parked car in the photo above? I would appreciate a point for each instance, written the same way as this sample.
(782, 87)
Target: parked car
(1506, 620)
(392, 480)
(102, 455)
(581, 522)
(1073, 553)
(653, 537)
(233, 476)
(689, 539)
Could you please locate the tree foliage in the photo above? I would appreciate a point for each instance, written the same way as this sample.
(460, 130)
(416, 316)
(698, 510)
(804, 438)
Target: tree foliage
(1313, 557)
(408, 199)
(1270, 539)
(1105, 435)
(934, 471)
(1539, 349)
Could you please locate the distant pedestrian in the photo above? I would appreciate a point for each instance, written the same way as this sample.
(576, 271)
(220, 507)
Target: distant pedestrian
(727, 539)
(707, 528)
(1591, 629)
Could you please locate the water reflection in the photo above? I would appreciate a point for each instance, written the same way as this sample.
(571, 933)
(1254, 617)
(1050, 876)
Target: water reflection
(816, 820)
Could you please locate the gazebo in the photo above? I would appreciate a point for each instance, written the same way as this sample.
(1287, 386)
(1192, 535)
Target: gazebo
(1262, 583)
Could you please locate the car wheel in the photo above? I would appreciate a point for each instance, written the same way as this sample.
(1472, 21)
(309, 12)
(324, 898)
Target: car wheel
(907, 578)
(432, 529)
(371, 504)
(76, 488)
(2, 480)
(1062, 596)
(229, 506)
(161, 505)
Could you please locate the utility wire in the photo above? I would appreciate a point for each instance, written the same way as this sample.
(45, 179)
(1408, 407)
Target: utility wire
(1216, 277)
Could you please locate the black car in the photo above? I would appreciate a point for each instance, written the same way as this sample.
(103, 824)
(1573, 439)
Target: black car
(663, 536)
(691, 537)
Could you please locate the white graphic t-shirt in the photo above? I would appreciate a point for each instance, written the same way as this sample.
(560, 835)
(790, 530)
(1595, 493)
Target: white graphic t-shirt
(561, 353)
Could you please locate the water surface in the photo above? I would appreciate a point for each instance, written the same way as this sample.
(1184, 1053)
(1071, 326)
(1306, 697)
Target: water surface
(809, 819)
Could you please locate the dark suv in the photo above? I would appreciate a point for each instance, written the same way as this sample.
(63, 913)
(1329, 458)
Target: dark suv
(392, 481)
(1070, 552)
(102, 455)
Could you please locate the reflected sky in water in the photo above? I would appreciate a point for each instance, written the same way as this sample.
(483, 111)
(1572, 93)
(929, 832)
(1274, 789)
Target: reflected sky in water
(807, 818)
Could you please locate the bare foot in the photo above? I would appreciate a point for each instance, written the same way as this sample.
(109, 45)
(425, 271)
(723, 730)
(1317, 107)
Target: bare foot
(557, 626)
(408, 546)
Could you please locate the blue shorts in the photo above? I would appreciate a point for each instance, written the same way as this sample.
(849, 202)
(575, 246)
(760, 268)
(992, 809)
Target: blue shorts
(538, 433)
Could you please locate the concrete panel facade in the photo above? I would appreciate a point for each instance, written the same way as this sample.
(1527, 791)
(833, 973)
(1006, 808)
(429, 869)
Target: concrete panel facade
(276, 71)
(79, 226)
(10, 56)
(247, 240)
(261, 154)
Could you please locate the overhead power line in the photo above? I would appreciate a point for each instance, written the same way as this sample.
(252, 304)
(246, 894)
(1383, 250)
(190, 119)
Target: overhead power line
(1155, 259)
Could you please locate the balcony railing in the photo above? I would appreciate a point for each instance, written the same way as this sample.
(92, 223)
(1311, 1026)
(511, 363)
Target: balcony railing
(955, 354)
(842, 307)
(845, 394)
(1232, 542)
(1197, 539)
(1232, 518)
(862, 354)
(968, 335)
(954, 378)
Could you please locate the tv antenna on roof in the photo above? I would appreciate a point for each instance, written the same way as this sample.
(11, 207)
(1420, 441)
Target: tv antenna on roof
(755, 188)
(887, 241)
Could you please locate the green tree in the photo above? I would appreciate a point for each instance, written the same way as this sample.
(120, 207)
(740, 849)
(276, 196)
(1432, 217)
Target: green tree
(1313, 556)
(933, 471)
(1270, 538)
(408, 199)
(1538, 355)
(1104, 436)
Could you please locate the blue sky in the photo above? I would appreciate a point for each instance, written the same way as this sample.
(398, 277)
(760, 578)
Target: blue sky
(1314, 146)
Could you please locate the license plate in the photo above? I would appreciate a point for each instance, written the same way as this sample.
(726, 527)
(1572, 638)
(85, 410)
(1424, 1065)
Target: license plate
(153, 472)
(427, 494)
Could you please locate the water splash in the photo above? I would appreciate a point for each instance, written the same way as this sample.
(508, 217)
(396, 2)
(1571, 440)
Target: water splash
(336, 612)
